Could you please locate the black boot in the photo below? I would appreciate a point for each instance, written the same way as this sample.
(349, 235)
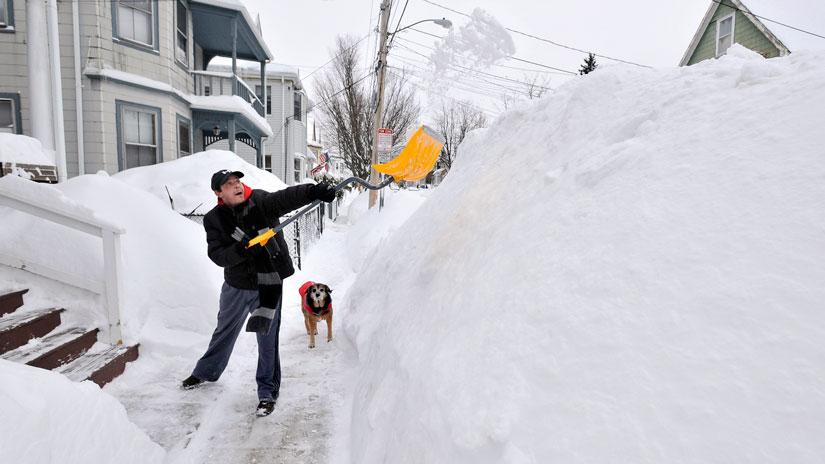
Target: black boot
(265, 408)
(190, 382)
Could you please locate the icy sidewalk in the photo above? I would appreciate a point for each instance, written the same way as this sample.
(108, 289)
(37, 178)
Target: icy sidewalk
(216, 422)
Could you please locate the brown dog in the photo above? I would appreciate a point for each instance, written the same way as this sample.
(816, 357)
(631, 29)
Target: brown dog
(316, 304)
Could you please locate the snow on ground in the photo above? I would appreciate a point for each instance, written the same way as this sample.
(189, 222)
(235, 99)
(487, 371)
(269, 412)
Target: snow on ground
(215, 423)
(628, 271)
(44, 413)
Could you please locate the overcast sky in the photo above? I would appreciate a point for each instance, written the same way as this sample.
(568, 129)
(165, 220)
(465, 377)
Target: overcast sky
(650, 32)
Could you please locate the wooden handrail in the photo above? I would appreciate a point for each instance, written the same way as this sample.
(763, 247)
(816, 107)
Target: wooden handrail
(112, 260)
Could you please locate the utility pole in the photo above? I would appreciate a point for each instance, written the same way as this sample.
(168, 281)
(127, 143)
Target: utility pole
(379, 111)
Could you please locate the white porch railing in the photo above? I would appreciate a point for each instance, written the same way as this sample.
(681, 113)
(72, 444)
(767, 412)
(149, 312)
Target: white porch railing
(110, 288)
(208, 83)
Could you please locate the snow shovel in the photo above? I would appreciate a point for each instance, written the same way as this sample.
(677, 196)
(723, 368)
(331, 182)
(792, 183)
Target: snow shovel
(414, 162)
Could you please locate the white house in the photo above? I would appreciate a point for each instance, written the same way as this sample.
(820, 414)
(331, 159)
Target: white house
(286, 104)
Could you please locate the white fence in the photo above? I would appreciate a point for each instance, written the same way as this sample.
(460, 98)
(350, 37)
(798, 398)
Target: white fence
(110, 288)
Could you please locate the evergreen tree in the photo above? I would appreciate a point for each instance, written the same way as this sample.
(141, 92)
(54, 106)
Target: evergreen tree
(589, 64)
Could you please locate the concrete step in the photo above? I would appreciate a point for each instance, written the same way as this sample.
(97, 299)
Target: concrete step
(100, 366)
(17, 329)
(9, 302)
(58, 348)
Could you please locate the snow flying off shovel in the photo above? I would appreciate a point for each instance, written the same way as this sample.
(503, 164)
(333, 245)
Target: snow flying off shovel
(414, 162)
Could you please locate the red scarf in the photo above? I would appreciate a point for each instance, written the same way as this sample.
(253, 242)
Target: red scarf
(247, 192)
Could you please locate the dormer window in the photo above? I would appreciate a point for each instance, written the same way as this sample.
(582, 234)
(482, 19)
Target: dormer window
(724, 34)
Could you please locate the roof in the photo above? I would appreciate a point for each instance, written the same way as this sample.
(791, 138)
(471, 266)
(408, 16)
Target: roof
(210, 27)
(808, 15)
(252, 71)
(766, 15)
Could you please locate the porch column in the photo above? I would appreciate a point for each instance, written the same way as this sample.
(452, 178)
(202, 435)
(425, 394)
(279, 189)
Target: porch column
(263, 87)
(231, 128)
(235, 56)
(264, 94)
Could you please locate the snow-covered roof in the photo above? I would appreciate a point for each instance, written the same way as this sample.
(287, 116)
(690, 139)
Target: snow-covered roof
(233, 104)
(252, 71)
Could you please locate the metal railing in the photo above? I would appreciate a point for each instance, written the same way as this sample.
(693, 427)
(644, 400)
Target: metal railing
(110, 288)
(210, 83)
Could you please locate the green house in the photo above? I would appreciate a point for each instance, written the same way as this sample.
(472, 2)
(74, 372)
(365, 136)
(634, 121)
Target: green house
(769, 27)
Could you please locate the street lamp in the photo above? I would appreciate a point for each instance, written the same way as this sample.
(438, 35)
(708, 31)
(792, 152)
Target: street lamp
(382, 61)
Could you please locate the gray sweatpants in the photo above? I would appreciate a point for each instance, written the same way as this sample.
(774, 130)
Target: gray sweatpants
(235, 305)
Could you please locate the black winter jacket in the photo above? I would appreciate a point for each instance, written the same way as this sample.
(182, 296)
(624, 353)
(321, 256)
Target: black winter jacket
(220, 222)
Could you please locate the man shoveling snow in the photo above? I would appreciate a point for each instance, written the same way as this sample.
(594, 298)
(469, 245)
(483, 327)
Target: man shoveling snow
(252, 275)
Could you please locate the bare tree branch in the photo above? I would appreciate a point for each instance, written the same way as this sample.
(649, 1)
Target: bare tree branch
(453, 123)
(348, 116)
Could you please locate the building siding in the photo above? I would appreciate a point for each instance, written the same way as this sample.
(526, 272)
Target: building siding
(100, 49)
(745, 33)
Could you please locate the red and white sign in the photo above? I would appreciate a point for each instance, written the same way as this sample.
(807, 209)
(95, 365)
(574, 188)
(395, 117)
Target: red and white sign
(384, 141)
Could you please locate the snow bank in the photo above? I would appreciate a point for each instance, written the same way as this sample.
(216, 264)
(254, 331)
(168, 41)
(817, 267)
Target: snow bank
(650, 290)
(24, 150)
(48, 418)
(188, 179)
(170, 287)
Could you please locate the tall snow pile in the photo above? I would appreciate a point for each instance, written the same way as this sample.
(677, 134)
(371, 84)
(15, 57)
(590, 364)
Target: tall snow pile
(628, 271)
(48, 418)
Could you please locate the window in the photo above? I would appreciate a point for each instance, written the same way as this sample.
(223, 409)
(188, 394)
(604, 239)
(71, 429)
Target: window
(297, 166)
(296, 115)
(184, 137)
(7, 116)
(268, 97)
(138, 134)
(182, 36)
(6, 15)
(724, 34)
(135, 21)
(10, 113)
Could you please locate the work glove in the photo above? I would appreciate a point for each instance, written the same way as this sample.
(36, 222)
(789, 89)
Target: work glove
(240, 235)
(323, 191)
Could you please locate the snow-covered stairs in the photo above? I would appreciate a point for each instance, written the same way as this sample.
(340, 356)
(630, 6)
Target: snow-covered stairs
(35, 338)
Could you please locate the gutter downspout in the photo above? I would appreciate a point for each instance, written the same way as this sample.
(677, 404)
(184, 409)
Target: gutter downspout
(286, 127)
(78, 90)
(37, 59)
(57, 92)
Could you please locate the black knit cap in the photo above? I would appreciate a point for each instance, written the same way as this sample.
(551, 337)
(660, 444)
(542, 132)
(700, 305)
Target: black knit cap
(220, 177)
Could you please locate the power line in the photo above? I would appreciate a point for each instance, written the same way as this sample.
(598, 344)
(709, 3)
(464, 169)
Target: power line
(721, 2)
(305, 78)
(481, 87)
(398, 24)
(323, 101)
(479, 72)
(542, 39)
(460, 102)
(558, 70)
